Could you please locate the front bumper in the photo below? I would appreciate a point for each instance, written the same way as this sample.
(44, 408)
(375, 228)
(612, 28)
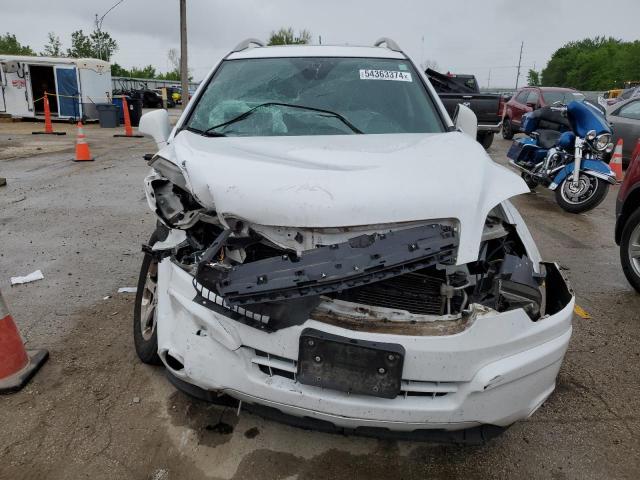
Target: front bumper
(497, 371)
(487, 127)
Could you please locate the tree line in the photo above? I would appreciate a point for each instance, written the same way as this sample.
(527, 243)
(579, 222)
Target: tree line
(98, 44)
(593, 64)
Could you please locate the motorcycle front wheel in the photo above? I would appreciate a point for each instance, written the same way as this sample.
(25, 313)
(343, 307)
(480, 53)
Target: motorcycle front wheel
(587, 195)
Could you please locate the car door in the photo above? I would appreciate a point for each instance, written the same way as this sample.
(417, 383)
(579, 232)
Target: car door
(626, 125)
(533, 101)
(519, 107)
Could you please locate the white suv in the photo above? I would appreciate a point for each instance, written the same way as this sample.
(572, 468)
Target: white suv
(331, 247)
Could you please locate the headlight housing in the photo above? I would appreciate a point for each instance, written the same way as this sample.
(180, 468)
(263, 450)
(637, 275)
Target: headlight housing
(602, 141)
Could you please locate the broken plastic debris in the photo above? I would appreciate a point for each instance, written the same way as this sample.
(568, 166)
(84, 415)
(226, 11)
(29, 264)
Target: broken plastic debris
(127, 290)
(32, 277)
(581, 312)
(107, 297)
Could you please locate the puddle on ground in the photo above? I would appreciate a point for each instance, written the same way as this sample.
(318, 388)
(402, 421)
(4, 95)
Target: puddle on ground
(213, 424)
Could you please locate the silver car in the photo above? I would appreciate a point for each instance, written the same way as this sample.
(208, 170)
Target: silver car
(625, 119)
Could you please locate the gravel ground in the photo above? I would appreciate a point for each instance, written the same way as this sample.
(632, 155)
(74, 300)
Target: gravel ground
(95, 412)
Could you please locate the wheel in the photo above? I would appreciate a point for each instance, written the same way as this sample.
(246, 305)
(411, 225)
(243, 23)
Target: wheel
(589, 193)
(531, 183)
(145, 336)
(630, 250)
(485, 139)
(507, 129)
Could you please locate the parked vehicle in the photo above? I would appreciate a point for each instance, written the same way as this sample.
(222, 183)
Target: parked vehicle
(312, 262)
(564, 151)
(627, 233)
(626, 94)
(625, 120)
(454, 89)
(528, 99)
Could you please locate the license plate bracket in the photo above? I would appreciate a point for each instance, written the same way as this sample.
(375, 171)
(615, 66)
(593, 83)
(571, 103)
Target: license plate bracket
(355, 366)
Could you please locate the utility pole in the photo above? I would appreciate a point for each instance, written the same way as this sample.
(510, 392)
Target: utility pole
(99, 27)
(489, 79)
(319, 39)
(184, 70)
(519, 64)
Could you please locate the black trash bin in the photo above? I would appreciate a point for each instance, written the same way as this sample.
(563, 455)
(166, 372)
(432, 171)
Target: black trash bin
(135, 111)
(107, 115)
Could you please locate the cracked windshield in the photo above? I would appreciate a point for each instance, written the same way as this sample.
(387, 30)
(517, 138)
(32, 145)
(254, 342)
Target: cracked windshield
(314, 96)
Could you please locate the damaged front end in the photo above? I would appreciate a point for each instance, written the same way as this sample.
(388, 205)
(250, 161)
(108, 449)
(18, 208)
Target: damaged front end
(357, 326)
(394, 276)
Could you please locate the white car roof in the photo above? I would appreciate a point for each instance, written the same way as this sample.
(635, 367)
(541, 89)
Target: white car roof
(316, 51)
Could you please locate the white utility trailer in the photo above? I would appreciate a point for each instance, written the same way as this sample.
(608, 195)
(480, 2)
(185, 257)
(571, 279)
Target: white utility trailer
(78, 83)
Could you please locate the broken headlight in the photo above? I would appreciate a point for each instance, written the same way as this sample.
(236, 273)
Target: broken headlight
(168, 191)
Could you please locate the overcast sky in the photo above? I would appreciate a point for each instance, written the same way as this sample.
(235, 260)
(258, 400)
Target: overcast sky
(464, 36)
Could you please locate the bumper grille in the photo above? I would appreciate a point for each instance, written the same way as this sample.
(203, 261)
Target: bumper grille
(275, 366)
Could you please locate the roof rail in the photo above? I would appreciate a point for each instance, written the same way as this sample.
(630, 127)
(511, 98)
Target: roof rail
(243, 45)
(391, 45)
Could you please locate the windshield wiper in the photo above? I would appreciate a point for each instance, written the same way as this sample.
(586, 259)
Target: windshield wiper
(205, 133)
(244, 115)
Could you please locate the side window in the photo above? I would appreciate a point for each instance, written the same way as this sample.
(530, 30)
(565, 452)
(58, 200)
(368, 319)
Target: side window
(630, 110)
(522, 96)
(533, 97)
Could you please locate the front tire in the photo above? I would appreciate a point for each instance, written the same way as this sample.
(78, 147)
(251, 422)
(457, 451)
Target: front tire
(485, 139)
(145, 335)
(507, 129)
(528, 179)
(589, 193)
(630, 250)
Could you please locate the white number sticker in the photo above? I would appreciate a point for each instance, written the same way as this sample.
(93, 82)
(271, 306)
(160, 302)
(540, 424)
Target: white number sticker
(385, 75)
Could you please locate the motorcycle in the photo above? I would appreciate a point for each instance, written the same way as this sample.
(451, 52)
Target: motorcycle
(564, 151)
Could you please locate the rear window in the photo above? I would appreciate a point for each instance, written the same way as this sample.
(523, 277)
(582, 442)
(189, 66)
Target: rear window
(564, 98)
(522, 96)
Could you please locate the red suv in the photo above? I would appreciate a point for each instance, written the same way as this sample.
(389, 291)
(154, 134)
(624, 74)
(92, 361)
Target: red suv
(528, 99)
(628, 221)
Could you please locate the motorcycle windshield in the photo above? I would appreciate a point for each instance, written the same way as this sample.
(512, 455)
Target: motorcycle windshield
(585, 117)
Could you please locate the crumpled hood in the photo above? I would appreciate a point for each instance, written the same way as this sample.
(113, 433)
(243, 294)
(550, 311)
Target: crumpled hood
(347, 180)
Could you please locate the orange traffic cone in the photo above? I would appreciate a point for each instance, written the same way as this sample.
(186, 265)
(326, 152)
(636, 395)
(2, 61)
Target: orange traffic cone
(128, 131)
(616, 161)
(48, 126)
(17, 365)
(83, 154)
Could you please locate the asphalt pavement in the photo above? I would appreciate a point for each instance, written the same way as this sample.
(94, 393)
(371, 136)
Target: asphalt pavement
(94, 411)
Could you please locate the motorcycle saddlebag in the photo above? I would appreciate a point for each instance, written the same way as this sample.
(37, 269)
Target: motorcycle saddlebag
(523, 151)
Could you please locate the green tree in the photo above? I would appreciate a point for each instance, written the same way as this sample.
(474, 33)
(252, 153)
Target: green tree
(53, 48)
(80, 46)
(103, 45)
(172, 75)
(593, 64)
(10, 45)
(118, 71)
(286, 36)
(147, 72)
(533, 78)
(96, 45)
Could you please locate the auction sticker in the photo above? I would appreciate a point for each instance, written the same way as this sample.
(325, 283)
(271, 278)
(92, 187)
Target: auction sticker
(385, 75)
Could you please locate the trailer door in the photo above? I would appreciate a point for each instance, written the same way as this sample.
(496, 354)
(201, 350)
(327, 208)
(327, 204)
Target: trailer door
(67, 91)
(3, 82)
